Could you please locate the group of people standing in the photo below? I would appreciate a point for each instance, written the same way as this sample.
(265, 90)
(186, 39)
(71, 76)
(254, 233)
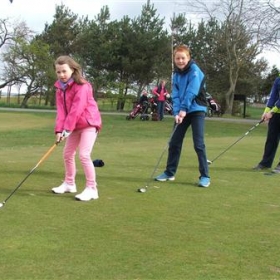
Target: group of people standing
(78, 121)
(160, 96)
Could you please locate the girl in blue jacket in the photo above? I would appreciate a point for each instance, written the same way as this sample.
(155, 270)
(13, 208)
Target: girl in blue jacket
(189, 109)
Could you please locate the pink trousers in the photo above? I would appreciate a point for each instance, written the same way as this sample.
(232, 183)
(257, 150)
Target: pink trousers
(83, 140)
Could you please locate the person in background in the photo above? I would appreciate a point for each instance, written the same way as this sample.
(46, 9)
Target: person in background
(271, 115)
(78, 122)
(143, 97)
(189, 109)
(160, 92)
(144, 102)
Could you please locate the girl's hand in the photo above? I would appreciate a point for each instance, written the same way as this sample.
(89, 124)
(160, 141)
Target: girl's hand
(182, 114)
(62, 135)
(179, 118)
(58, 137)
(65, 133)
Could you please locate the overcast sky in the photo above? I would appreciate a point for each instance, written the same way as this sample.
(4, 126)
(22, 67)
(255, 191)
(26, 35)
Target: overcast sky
(38, 12)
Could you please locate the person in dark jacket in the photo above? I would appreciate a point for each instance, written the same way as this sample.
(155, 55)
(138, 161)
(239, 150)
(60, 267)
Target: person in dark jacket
(144, 102)
(144, 97)
(189, 109)
(271, 114)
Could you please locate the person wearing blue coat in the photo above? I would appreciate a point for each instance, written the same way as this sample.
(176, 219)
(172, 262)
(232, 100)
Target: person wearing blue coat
(189, 109)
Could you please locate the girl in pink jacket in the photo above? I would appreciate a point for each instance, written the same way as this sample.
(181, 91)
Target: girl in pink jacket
(160, 92)
(78, 122)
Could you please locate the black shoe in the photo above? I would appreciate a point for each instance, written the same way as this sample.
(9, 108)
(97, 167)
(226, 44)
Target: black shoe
(260, 167)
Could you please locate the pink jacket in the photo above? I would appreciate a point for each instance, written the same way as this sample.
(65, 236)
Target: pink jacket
(76, 107)
(161, 96)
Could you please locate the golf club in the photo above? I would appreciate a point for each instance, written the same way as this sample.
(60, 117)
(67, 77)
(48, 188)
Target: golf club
(142, 190)
(30, 172)
(253, 127)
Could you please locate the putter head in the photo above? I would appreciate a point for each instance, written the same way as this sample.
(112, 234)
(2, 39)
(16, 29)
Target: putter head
(2, 204)
(209, 161)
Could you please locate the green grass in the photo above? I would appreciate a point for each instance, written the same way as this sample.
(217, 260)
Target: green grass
(110, 104)
(104, 104)
(175, 231)
(255, 111)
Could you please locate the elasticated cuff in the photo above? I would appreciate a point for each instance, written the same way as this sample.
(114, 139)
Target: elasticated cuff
(267, 109)
(274, 109)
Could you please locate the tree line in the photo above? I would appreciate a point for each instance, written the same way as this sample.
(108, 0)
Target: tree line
(118, 55)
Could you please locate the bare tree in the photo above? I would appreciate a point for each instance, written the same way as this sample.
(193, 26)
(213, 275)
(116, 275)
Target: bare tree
(276, 26)
(10, 33)
(247, 30)
(29, 64)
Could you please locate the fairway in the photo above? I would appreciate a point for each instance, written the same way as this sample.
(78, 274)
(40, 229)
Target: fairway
(176, 231)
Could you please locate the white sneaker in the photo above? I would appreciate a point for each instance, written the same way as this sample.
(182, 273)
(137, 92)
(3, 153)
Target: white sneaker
(65, 188)
(87, 194)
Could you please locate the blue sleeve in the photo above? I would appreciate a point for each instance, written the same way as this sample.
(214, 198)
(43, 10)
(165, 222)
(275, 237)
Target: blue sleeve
(195, 78)
(175, 95)
(274, 99)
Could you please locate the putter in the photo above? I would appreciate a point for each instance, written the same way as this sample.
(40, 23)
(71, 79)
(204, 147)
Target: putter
(30, 172)
(252, 128)
(143, 190)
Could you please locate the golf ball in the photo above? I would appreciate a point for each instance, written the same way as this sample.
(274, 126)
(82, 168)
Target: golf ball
(142, 190)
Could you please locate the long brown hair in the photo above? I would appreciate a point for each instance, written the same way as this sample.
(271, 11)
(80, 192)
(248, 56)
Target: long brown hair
(76, 67)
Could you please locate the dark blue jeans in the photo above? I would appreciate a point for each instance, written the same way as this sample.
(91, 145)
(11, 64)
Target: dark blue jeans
(196, 120)
(272, 141)
(160, 109)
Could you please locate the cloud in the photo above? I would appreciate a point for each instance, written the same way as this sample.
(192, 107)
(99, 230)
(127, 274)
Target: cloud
(36, 13)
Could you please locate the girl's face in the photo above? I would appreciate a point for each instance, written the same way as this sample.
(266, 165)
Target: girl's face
(181, 59)
(63, 72)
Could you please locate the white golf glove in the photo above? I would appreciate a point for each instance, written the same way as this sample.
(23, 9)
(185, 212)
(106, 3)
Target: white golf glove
(65, 133)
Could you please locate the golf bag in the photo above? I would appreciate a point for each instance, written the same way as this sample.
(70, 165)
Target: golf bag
(139, 109)
(168, 109)
(214, 108)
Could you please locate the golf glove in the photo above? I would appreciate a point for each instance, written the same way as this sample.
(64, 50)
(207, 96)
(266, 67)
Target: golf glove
(65, 133)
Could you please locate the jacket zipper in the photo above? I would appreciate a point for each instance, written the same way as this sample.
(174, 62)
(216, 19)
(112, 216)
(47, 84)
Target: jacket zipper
(64, 99)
